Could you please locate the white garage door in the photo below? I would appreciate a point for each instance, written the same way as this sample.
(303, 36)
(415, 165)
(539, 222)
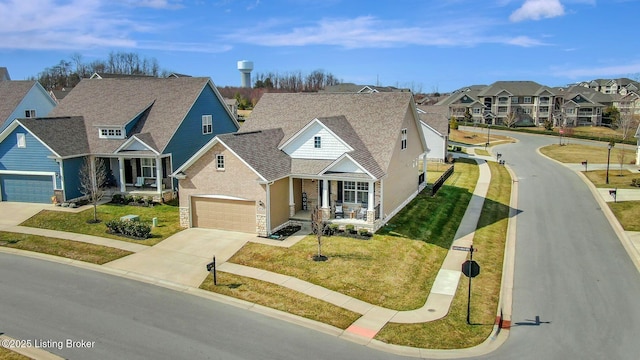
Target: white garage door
(233, 215)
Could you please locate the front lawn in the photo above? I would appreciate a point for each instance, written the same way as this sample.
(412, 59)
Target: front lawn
(617, 179)
(393, 269)
(279, 298)
(627, 213)
(453, 332)
(576, 154)
(6, 354)
(168, 221)
(69, 249)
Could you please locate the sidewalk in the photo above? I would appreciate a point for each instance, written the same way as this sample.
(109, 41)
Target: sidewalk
(374, 318)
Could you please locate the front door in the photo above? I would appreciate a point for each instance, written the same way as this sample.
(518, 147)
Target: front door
(128, 172)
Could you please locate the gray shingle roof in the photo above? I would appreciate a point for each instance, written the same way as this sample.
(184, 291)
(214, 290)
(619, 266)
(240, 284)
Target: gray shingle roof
(260, 150)
(58, 133)
(436, 116)
(11, 94)
(516, 88)
(376, 119)
(116, 101)
(341, 127)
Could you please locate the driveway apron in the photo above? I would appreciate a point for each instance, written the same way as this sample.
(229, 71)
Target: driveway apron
(182, 258)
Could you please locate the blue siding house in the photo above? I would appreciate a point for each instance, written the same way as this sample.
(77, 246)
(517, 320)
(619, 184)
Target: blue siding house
(142, 128)
(20, 99)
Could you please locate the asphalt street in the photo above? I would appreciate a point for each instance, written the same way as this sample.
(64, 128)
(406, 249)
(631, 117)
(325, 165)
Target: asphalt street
(48, 302)
(576, 290)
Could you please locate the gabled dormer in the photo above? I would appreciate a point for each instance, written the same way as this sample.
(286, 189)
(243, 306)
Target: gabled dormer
(346, 164)
(114, 131)
(139, 142)
(315, 141)
(580, 99)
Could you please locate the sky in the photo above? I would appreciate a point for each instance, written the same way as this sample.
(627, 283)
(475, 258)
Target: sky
(428, 46)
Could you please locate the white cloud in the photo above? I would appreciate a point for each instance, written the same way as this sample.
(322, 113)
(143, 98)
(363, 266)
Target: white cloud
(370, 32)
(83, 24)
(537, 9)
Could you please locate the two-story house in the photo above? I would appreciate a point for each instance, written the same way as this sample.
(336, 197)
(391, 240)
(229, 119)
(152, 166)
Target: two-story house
(142, 128)
(359, 158)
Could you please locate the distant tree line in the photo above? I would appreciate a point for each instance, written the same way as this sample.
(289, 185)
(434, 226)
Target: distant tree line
(295, 81)
(67, 74)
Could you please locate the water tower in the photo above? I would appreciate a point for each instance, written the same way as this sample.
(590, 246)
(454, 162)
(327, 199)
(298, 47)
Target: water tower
(245, 68)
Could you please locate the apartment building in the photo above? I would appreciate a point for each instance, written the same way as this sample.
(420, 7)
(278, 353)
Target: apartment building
(527, 103)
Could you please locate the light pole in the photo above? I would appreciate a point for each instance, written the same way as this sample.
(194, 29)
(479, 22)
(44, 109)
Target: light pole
(488, 132)
(609, 147)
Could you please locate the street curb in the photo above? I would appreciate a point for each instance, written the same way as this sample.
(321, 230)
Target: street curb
(631, 250)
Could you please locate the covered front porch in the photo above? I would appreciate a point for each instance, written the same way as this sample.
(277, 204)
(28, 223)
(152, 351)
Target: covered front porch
(140, 176)
(342, 201)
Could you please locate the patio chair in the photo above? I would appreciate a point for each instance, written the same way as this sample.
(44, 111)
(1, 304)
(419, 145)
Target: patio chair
(339, 212)
(362, 213)
(139, 182)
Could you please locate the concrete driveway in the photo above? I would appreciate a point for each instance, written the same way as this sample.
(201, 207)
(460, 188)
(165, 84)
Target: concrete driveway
(182, 258)
(14, 213)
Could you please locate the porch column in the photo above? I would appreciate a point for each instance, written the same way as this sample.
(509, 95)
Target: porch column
(326, 211)
(292, 204)
(123, 185)
(159, 176)
(371, 213)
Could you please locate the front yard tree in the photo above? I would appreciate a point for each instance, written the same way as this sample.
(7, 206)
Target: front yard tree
(510, 119)
(627, 123)
(467, 116)
(317, 226)
(93, 176)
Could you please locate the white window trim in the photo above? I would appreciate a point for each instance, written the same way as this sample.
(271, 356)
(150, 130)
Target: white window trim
(116, 133)
(403, 140)
(207, 124)
(21, 140)
(219, 162)
(151, 166)
(359, 188)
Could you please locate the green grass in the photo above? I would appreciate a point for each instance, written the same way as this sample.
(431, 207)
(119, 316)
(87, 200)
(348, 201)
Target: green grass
(628, 214)
(575, 154)
(453, 332)
(482, 152)
(6, 354)
(75, 250)
(168, 221)
(404, 269)
(279, 298)
(617, 179)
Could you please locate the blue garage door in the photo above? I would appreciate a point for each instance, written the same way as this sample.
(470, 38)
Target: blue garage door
(26, 188)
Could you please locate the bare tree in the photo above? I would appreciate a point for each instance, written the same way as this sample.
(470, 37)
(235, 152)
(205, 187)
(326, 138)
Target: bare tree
(318, 227)
(93, 176)
(510, 119)
(627, 123)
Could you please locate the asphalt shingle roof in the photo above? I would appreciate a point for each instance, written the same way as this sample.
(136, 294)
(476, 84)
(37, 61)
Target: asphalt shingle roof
(11, 94)
(375, 119)
(116, 101)
(436, 116)
(260, 150)
(58, 132)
